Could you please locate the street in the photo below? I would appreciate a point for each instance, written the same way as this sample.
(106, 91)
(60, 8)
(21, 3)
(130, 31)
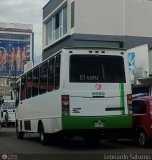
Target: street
(30, 148)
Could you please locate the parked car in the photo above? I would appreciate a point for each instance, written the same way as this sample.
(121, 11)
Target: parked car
(142, 120)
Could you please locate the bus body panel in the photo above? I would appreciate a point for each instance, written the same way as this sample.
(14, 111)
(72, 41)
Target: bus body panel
(95, 106)
(51, 125)
(106, 101)
(42, 108)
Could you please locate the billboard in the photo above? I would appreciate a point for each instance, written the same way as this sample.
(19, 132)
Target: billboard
(13, 56)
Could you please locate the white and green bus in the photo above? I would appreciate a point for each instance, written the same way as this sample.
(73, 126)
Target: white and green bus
(77, 91)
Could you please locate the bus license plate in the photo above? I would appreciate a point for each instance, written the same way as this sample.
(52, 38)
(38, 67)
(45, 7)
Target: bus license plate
(99, 124)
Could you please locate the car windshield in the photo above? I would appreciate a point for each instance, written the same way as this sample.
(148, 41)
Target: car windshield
(8, 105)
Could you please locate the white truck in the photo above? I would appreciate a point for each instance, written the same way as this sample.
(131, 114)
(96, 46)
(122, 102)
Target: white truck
(140, 66)
(8, 113)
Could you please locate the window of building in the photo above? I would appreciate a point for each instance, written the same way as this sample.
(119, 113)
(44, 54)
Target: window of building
(35, 82)
(43, 78)
(14, 36)
(56, 27)
(64, 20)
(57, 20)
(72, 14)
(49, 32)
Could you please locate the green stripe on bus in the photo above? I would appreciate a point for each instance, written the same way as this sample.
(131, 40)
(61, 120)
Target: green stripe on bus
(88, 122)
(122, 98)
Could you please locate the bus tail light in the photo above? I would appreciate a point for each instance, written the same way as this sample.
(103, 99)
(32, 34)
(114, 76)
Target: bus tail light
(129, 101)
(65, 104)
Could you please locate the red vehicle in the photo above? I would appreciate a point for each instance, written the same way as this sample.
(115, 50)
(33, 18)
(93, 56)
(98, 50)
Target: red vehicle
(142, 119)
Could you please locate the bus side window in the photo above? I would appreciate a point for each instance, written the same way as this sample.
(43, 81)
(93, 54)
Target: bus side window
(35, 82)
(51, 75)
(29, 85)
(43, 78)
(17, 94)
(57, 72)
(23, 88)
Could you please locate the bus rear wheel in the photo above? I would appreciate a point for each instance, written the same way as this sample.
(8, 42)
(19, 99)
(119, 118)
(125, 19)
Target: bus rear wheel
(19, 134)
(91, 139)
(43, 135)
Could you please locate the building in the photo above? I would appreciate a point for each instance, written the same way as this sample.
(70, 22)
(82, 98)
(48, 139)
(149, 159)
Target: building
(5, 89)
(108, 23)
(16, 49)
(37, 60)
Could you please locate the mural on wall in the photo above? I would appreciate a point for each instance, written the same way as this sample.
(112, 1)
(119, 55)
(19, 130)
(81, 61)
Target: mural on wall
(13, 56)
(131, 59)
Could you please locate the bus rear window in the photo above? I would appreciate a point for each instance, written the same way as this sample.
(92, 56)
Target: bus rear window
(93, 68)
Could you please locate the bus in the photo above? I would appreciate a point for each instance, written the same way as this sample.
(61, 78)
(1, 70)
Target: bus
(1, 102)
(77, 91)
(8, 113)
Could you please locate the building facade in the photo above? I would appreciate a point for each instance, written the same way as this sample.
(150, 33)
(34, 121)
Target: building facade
(16, 49)
(37, 60)
(108, 23)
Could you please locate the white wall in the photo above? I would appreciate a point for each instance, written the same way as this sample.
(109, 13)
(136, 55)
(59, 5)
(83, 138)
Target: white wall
(114, 17)
(103, 17)
(139, 18)
(109, 17)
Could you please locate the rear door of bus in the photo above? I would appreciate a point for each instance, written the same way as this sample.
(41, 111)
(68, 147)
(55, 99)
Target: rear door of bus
(97, 85)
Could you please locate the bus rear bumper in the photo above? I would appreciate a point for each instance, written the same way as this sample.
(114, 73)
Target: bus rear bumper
(96, 122)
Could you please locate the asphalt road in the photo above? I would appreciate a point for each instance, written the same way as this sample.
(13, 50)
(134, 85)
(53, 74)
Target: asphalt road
(69, 149)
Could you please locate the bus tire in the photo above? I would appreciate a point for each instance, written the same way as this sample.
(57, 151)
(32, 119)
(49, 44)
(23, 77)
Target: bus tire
(91, 139)
(43, 135)
(112, 137)
(20, 135)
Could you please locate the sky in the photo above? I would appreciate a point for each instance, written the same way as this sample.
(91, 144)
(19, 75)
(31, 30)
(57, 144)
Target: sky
(25, 12)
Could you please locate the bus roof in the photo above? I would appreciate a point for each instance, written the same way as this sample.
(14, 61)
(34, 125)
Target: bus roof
(96, 47)
(77, 47)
